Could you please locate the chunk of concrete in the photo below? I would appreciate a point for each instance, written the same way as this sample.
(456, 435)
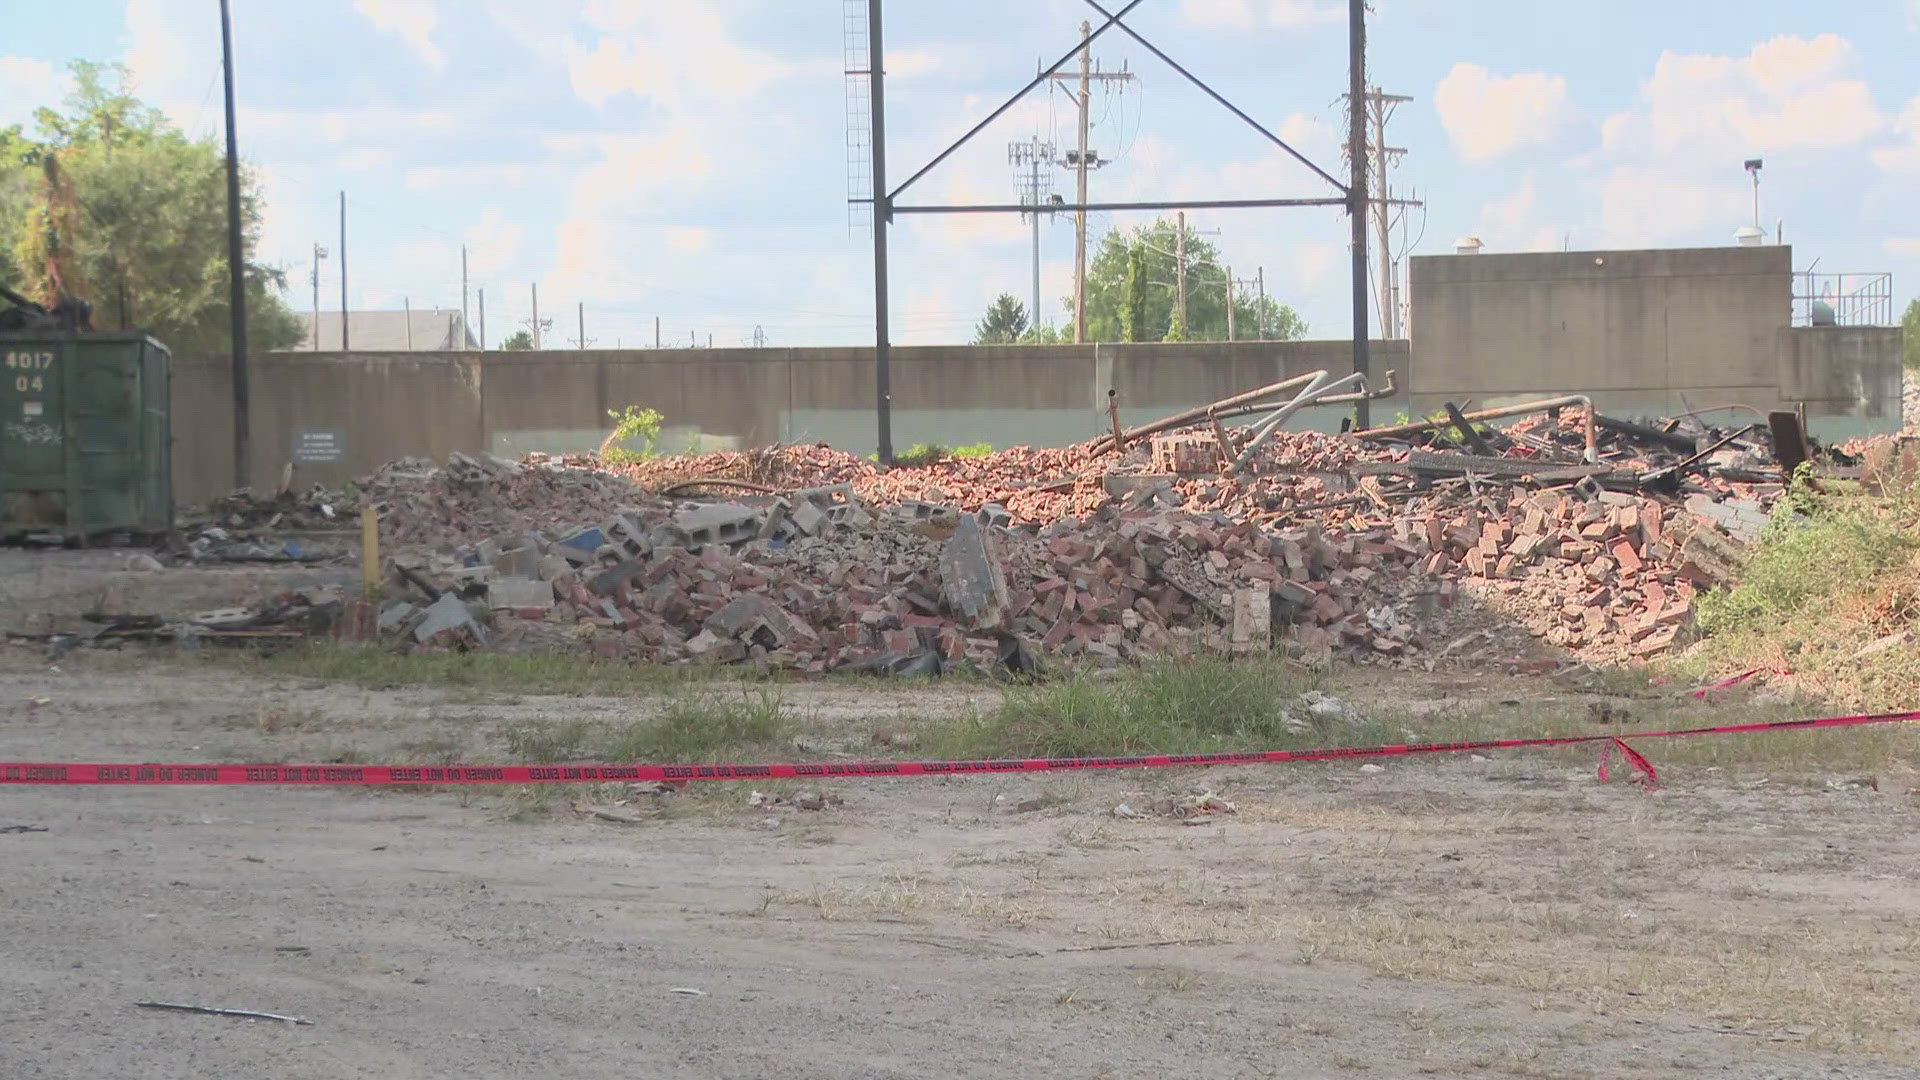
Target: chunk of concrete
(971, 581)
(520, 592)
(718, 523)
(756, 619)
(448, 613)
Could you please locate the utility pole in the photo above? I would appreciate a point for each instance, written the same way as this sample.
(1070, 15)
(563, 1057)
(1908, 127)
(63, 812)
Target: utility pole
(1032, 153)
(1260, 280)
(483, 319)
(1380, 108)
(1079, 161)
(535, 321)
(344, 347)
(1229, 303)
(1180, 268)
(580, 313)
(656, 331)
(318, 254)
(236, 271)
(406, 305)
(882, 215)
(463, 296)
(1357, 193)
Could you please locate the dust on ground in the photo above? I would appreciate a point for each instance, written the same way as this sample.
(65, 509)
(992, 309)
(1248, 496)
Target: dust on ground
(1500, 917)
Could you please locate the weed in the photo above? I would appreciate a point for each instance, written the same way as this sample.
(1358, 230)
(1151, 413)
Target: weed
(630, 423)
(700, 725)
(1183, 705)
(1830, 576)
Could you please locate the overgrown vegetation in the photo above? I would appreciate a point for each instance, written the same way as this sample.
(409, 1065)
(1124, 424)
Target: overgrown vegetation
(108, 202)
(692, 725)
(631, 424)
(1830, 592)
(920, 455)
(1164, 706)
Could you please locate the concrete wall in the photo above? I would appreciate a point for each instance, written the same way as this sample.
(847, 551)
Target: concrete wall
(1645, 333)
(394, 405)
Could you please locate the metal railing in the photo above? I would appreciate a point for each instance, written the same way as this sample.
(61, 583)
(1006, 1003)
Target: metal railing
(1843, 299)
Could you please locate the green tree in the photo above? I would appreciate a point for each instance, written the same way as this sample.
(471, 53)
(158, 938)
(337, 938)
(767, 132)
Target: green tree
(1109, 273)
(518, 341)
(132, 215)
(1005, 322)
(1910, 333)
(1045, 335)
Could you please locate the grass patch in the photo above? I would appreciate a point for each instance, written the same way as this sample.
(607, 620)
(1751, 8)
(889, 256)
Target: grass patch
(528, 673)
(1824, 582)
(1163, 706)
(698, 725)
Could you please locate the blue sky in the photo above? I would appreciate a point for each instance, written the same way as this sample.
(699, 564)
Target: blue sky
(652, 158)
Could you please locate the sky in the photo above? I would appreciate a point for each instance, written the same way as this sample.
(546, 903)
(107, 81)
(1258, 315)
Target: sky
(643, 159)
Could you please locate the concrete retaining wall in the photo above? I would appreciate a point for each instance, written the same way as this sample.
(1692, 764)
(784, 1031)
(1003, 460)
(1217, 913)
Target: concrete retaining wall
(392, 405)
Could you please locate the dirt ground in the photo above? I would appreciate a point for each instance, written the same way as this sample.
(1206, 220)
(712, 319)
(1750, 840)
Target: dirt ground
(1472, 917)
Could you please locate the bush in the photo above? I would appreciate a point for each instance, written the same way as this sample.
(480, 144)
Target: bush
(630, 423)
(1831, 575)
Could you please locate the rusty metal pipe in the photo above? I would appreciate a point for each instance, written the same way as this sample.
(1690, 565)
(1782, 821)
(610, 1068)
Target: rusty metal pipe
(1522, 409)
(1197, 414)
(1320, 388)
(1385, 391)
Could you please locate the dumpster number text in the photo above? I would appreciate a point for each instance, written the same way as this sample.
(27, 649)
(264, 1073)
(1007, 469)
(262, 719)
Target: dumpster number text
(25, 365)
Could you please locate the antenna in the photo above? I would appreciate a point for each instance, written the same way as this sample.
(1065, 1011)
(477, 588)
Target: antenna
(859, 114)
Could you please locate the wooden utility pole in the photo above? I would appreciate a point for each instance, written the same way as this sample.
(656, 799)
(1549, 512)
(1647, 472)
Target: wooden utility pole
(1357, 193)
(1080, 161)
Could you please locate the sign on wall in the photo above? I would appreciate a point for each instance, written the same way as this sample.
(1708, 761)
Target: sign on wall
(319, 446)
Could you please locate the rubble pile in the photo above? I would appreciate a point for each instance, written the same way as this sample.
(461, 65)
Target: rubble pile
(1559, 534)
(1330, 546)
(473, 498)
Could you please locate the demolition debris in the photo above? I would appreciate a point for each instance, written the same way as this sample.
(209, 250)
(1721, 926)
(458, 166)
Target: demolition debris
(1567, 533)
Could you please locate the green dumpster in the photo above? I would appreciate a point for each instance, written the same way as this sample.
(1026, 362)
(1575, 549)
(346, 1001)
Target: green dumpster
(86, 439)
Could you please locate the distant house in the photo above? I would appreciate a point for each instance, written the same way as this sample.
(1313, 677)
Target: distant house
(422, 330)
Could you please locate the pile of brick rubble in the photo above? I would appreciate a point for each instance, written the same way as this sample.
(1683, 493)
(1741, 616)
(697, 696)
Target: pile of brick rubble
(1400, 552)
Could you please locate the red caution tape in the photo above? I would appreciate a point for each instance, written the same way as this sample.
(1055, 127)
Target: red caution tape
(79, 773)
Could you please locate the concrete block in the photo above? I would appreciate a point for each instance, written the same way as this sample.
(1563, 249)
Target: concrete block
(716, 524)
(971, 581)
(448, 613)
(520, 592)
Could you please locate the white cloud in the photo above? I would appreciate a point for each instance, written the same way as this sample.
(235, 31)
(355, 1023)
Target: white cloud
(1908, 246)
(907, 63)
(413, 21)
(1788, 93)
(25, 84)
(1903, 158)
(493, 242)
(173, 68)
(689, 239)
(1487, 115)
(1652, 206)
(478, 174)
(1514, 221)
(364, 159)
(1297, 14)
(1247, 14)
(671, 54)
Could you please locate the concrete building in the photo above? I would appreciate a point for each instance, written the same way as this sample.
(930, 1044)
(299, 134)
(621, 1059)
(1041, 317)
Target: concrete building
(422, 330)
